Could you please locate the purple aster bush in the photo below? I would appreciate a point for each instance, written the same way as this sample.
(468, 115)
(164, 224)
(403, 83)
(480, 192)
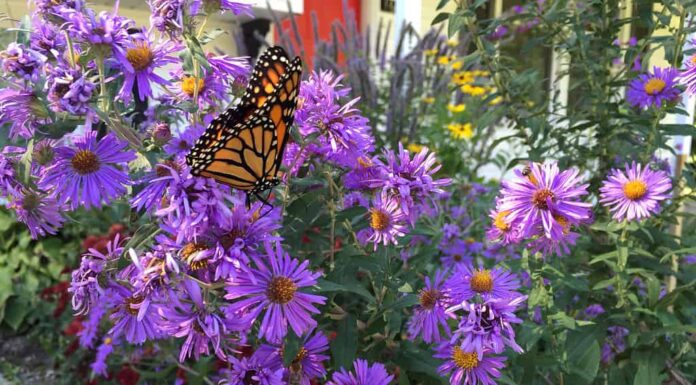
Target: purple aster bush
(105, 32)
(654, 89)
(430, 316)
(273, 288)
(134, 317)
(364, 374)
(615, 343)
(254, 370)
(89, 172)
(636, 192)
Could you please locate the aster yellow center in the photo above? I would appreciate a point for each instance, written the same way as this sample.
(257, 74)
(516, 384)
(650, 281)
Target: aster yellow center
(464, 360)
(379, 220)
(188, 84)
(481, 281)
(140, 57)
(428, 298)
(540, 198)
(635, 189)
(281, 290)
(654, 86)
(364, 162)
(499, 221)
(85, 162)
(188, 253)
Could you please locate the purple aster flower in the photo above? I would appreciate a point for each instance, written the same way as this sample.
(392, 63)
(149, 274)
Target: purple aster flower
(614, 344)
(210, 88)
(88, 173)
(240, 234)
(387, 221)
(593, 311)
(488, 325)
(653, 89)
(690, 259)
(430, 315)
(455, 253)
(39, 212)
(85, 287)
(308, 362)
(364, 375)
(22, 61)
(135, 317)
(167, 16)
(236, 7)
(52, 8)
(500, 32)
(467, 367)
(144, 56)
(366, 174)
(165, 176)
(542, 198)
(106, 32)
(69, 90)
(252, 370)
(182, 143)
(355, 198)
(22, 110)
(412, 179)
(236, 69)
(558, 246)
(274, 290)
(46, 39)
(99, 366)
(345, 135)
(467, 281)
(192, 319)
(635, 193)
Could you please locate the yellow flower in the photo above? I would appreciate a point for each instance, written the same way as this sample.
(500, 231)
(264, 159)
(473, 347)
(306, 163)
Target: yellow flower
(457, 65)
(456, 107)
(428, 100)
(452, 43)
(431, 52)
(460, 78)
(444, 60)
(495, 101)
(473, 90)
(414, 147)
(461, 131)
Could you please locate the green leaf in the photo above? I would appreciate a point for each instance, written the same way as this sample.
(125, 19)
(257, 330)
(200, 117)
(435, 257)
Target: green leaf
(441, 4)
(442, 16)
(454, 24)
(345, 346)
(583, 355)
(6, 289)
(650, 365)
(15, 311)
(324, 286)
(678, 129)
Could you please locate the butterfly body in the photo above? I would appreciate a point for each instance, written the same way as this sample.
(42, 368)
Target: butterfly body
(244, 146)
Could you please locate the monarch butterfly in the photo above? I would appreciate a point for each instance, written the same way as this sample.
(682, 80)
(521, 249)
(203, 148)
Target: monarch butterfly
(244, 146)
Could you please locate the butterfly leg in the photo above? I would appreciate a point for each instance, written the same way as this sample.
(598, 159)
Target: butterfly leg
(265, 203)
